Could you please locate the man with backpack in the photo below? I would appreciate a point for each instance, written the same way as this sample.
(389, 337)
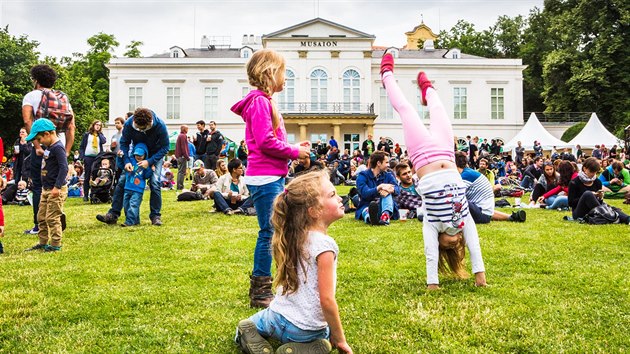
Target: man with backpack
(44, 102)
(214, 146)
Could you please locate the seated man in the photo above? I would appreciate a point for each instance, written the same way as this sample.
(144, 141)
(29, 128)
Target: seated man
(615, 180)
(480, 196)
(204, 181)
(409, 198)
(487, 172)
(532, 173)
(232, 195)
(377, 187)
(307, 164)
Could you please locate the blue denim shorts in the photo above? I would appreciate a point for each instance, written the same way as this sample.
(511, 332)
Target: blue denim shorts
(273, 325)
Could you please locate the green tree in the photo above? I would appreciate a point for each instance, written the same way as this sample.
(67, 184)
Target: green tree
(101, 50)
(133, 50)
(572, 132)
(508, 35)
(464, 37)
(17, 56)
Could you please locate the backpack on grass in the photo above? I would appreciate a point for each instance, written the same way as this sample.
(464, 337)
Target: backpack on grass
(602, 214)
(189, 196)
(54, 105)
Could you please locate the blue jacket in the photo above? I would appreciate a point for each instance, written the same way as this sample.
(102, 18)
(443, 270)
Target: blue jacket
(156, 140)
(366, 186)
(137, 179)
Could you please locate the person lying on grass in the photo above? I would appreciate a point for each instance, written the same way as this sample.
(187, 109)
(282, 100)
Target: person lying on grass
(445, 206)
(303, 315)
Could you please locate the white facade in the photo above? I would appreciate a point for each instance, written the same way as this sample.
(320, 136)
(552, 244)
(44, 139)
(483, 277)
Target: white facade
(335, 87)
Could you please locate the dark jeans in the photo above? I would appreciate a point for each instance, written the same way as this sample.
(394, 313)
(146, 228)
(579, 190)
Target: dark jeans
(538, 191)
(155, 202)
(211, 161)
(478, 215)
(263, 197)
(202, 157)
(87, 168)
(36, 179)
(222, 205)
(527, 182)
(587, 202)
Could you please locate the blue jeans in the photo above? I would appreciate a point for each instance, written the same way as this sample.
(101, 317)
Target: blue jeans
(263, 197)
(132, 202)
(273, 325)
(155, 202)
(558, 202)
(222, 205)
(386, 205)
(527, 182)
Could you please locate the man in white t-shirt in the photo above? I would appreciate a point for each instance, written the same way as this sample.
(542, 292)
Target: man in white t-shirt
(43, 77)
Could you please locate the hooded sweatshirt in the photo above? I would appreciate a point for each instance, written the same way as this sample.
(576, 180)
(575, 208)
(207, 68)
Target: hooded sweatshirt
(137, 179)
(268, 150)
(156, 140)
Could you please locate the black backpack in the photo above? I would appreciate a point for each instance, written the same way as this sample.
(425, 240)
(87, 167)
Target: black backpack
(189, 196)
(602, 214)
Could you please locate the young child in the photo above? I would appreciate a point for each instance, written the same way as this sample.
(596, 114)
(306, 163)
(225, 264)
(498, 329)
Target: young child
(21, 197)
(54, 190)
(304, 313)
(104, 175)
(135, 184)
(447, 223)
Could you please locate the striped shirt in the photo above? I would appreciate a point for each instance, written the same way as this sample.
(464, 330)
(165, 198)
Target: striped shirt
(444, 200)
(478, 190)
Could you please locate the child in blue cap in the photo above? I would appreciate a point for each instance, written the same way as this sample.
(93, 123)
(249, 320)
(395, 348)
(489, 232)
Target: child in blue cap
(135, 184)
(54, 189)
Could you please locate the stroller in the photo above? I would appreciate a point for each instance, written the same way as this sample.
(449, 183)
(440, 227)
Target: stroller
(102, 192)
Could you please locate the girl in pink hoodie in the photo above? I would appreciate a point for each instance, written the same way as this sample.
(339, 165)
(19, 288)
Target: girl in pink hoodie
(267, 162)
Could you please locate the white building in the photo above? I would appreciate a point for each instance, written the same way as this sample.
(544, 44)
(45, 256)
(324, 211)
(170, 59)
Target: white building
(333, 86)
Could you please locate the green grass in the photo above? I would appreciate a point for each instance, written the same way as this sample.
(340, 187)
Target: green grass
(555, 286)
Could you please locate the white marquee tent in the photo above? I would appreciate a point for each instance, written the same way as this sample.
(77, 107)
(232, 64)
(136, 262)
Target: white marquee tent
(533, 130)
(594, 133)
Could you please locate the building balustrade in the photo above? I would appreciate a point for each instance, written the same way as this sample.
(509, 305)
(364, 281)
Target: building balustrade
(326, 107)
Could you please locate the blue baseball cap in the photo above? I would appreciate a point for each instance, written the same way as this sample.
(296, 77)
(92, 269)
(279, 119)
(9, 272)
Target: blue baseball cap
(39, 126)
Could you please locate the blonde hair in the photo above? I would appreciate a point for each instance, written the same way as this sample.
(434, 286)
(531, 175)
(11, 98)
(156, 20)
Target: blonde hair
(451, 260)
(291, 221)
(262, 69)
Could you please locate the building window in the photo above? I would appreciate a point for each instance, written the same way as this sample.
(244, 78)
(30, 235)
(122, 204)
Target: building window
(459, 100)
(286, 97)
(175, 54)
(496, 99)
(387, 111)
(135, 98)
(423, 111)
(321, 137)
(290, 138)
(245, 91)
(173, 96)
(319, 90)
(351, 142)
(351, 90)
(211, 103)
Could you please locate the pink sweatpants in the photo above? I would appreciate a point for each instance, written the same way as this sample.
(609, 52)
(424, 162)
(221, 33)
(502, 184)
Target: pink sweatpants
(423, 146)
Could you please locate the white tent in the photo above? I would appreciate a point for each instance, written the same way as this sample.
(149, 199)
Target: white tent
(533, 130)
(594, 133)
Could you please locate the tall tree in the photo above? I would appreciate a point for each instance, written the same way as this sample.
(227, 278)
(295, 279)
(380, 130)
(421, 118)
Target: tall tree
(17, 55)
(133, 49)
(464, 37)
(101, 50)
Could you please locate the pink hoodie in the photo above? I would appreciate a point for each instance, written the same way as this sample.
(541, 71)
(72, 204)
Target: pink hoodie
(268, 153)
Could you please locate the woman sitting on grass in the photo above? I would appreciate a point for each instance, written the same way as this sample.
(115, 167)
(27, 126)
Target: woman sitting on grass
(304, 313)
(547, 181)
(447, 222)
(557, 197)
(585, 191)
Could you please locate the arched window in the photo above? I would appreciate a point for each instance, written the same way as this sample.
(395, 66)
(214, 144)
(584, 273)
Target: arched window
(319, 90)
(286, 98)
(351, 90)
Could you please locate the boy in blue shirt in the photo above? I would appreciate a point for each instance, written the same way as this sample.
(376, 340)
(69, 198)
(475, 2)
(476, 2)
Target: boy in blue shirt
(55, 191)
(135, 184)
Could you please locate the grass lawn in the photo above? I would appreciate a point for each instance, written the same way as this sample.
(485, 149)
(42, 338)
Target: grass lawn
(555, 286)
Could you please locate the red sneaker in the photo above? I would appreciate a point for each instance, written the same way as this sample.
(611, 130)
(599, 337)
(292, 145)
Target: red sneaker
(424, 83)
(384, 219)
(387, 63)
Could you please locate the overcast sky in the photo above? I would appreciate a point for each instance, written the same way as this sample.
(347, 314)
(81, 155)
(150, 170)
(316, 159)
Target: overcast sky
(63, 26)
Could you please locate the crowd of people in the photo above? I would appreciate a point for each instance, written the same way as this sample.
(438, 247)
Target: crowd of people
(290, 189)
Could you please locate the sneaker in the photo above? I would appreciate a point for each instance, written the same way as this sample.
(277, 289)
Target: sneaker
(1, 248)
(373, 211)
(249, 340)
(108, 218)
(63, 221)
(37, 247)
(315, 347)
(518, 216)
(229, 212)
(387, 63)
(424, 83)
(156, 221)
(384, 220)
(49, 248)
(33, 231)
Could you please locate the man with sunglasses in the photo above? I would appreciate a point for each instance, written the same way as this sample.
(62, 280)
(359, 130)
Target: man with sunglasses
(143, 127)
